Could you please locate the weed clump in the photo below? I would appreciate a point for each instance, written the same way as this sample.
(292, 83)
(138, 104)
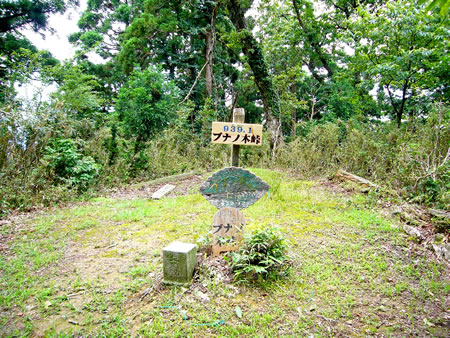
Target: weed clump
(262, 258)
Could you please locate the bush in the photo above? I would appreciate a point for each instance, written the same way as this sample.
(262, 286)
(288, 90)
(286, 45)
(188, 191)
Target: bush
(261, 258)
(412, 159)
(69, 166)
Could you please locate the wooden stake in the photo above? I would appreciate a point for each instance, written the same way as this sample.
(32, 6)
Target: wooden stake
(238, 117)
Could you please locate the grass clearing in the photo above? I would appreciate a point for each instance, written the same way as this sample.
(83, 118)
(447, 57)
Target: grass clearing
(83, 270)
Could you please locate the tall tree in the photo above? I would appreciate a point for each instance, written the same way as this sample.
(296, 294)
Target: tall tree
(17, 52)
(315, 38)
(102, 24)
(405, 49)
(184, 39)
(147, 103)
(15, 15)
(260, 69)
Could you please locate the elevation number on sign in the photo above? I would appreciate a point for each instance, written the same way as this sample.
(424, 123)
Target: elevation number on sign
(237, 134)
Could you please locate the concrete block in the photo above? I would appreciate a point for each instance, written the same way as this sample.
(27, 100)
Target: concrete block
(179, 261)
(161, 192)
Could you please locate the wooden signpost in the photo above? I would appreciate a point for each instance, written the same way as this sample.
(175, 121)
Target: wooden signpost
(228, 230)
(232, 189)
(236, 133)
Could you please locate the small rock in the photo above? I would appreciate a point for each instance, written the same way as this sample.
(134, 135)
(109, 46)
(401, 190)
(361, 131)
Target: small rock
(427, 322)
(382, 308)
(396, 210)
(442, 250)
(413, 232)
(438, 238)
(203, 297)
(48, 304)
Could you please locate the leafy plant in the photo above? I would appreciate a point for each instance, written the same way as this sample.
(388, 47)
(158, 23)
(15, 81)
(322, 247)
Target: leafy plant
(146, 103)
(261, 258)
(69, 165)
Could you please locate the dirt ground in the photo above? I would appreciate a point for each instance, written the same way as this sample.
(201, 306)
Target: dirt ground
(112, 265)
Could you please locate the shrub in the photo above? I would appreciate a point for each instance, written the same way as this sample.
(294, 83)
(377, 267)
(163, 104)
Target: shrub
(69, 166)
(413, 159)
(261, 258)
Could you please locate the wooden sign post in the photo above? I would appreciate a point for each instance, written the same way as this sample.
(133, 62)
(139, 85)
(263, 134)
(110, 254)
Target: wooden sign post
(228, 230)
(232, 189)
(236, 133)
(238, 117)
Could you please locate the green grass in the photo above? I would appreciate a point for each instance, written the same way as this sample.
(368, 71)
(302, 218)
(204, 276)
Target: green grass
(82, 270)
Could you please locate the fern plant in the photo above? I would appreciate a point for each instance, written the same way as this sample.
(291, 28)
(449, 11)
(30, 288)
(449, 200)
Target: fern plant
(263, 257)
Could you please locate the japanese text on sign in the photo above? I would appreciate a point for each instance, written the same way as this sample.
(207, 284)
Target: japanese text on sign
(236, 133)
(228, 228)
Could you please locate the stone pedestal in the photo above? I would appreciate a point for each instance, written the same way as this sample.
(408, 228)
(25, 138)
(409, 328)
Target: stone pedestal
(179, 261)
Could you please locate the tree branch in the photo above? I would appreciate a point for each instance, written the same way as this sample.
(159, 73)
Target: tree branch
(195, 82)
(313, 43)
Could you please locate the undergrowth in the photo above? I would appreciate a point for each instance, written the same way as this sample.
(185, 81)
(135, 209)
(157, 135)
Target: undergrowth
(262, 258)
(412, 160)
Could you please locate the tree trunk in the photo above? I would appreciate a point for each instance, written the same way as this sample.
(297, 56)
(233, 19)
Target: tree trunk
(263, 79)
(314, 44)
(294, 111)
(210, 39)
(208, 69)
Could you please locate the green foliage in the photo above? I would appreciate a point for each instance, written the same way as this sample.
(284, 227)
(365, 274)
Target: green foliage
(316, 153)
(413, 161)
(125, 115)
(442, 4)
(403, 48)
(112, 145)
(77, 94)
(17, 14)
(263, 257)
(147, 103)
(69, 165)
(20, 65)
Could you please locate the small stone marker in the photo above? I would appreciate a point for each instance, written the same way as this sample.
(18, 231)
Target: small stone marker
(179, 261)
(233, 187)
(228, 227)
(162, 191)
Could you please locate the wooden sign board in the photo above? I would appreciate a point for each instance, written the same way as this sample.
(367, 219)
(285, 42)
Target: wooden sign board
(228, 228)
(233, 187)
(236, 133)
